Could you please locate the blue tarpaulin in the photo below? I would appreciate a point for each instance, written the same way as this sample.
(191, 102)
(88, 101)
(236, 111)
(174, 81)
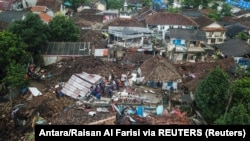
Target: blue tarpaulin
(140, 110)
(67, 3)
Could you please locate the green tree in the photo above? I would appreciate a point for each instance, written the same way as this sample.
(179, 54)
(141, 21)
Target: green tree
(226, 9)
(173, 10)
(241, 91)
(114, 4)
(214, 15)
(195, 3)
(211, 95)
(63, 29)
(16, 76)
(32, 31)
(12, 50)
(237, 115)
(214, 5)
(243, 36)
(146, 2)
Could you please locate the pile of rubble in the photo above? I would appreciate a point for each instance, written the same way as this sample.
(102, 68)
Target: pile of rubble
(152, 117)
(19, 115)
(63, 70)
(193, 73)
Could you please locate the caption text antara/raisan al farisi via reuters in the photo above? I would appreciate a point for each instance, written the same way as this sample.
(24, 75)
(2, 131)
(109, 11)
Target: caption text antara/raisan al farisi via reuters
(149, 132)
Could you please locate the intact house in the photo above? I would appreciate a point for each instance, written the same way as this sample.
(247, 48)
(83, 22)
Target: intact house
(185, 45)
(234, 48)
(56, 51)
(161, 22)
(215, 33)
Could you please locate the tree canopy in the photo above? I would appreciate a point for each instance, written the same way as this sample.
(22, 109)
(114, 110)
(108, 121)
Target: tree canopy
(211, 95)
(12, 50)
(16, 76)
(195, 3)
(237, 115)
(63, 29)
(146, 2)
(32, 31)
(114, 4)
(241, 91)
(13, 57)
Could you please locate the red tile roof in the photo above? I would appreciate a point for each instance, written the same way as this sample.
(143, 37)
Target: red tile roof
(45, 17)
(164, 18)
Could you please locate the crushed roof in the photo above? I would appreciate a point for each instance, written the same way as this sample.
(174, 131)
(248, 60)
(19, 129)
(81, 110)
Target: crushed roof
(159, 69)
(93, 36)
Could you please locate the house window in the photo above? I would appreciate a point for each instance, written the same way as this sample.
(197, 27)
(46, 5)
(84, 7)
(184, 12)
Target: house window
(217, 34)
(210, 34)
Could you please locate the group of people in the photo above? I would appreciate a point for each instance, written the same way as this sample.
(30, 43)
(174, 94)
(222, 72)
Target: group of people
(105, 87)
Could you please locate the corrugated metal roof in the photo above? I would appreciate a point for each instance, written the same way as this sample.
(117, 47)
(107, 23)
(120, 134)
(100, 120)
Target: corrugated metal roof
(234, 47)
(67, 49)
(188, 34)
(91, 78)
(79, 84)
(10, 16)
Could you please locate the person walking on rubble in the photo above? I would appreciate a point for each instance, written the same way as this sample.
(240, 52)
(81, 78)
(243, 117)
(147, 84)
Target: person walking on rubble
(110, 93)
(117, 85)
(102, 85)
